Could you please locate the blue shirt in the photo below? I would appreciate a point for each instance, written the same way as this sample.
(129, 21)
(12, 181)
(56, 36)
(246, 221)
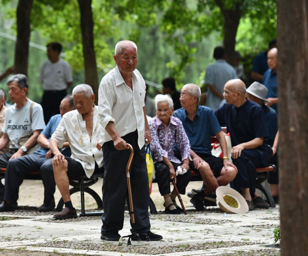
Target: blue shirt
(245, 124)
(199, 130)
(259, 63)
(271, 123)
(270, 81)
(48, 131)
(217, 74)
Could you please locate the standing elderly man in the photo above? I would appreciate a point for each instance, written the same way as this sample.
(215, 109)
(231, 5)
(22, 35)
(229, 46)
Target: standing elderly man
(23, 119)
(246, 123)
(39, 160)
(123, 117)
(82, 129)
(217, 74)
(200, 123)
(270, 79)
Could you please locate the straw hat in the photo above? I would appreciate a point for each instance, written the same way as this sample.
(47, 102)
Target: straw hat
(231, 201)
(258, 90)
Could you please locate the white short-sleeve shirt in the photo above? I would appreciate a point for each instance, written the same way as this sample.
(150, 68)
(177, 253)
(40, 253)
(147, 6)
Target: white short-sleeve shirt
(55, 76)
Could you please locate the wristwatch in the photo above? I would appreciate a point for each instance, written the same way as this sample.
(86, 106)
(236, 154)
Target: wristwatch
(24, 149)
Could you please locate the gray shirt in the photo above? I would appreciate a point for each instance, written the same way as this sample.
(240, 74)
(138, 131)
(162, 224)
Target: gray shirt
(18, 121)
(217, 74)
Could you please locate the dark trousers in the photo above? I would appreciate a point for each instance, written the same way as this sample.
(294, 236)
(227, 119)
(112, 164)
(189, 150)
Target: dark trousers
(19, 167)
(247, 174)
(51, 102)
(162, 176)
(273, 177)
(4, 158)
(115, 186)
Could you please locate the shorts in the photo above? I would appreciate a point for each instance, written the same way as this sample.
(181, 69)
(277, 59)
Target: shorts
(75, 169)
(216, 164)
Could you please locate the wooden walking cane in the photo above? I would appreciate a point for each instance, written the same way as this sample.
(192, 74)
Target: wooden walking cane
(130, 197)
(179, 196)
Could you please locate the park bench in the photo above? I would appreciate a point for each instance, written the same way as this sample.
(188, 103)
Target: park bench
(262, 175)
(81, 185)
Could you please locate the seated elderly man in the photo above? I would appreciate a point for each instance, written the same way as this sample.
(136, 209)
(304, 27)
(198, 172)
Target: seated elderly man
(257, 92)
(200, 123)
(246, 123)
(82, 129)
(23, 119)
(39, 160)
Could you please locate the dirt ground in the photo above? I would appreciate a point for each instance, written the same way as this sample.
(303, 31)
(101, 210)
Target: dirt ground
(31, 193)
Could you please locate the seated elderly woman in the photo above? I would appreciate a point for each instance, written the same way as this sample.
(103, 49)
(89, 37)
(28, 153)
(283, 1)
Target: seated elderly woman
(167, 131)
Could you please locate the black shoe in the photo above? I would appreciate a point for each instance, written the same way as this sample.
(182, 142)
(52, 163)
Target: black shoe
(260, 203)
(111, 237)
(169, 211)
(177, 207)
(191, 194)
(148, 236)
(47, 207)
(250, 205)
(5, 207)
(197, 201)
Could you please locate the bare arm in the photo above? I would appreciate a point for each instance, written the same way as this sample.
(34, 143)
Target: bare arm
(237, 150)
(256, 76)
(58, 157)
(147, 133)
(271, 101)
(69, 84)
(223, 144)
(276, 142)
(43, 141)
(29, 144)
(6, 73)
(4, 140)
(215, 91)
(118, 142)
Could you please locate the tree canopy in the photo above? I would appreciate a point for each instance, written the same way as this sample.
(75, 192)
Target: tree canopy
(174, 38)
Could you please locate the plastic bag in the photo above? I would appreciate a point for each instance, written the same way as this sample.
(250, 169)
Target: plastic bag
(150, 166)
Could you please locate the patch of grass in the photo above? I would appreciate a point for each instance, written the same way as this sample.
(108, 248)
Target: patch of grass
(277, 234)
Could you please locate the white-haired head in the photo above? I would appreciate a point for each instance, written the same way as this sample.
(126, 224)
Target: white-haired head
(193, 90)
(122, 44)
(163, 98)
(83, 88)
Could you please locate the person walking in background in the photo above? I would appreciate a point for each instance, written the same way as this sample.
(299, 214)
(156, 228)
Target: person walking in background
(217, 74)
(56, 78)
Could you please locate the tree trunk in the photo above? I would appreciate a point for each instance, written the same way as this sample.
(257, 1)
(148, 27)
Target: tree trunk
(23, 36)
(231, 22)
(86, 18)
(293, 120)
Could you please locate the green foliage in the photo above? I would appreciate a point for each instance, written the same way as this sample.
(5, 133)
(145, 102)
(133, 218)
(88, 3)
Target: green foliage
(174, 38)
(277, 234)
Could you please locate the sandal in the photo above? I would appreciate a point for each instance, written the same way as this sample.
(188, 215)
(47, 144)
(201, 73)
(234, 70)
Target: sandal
(169, 211)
